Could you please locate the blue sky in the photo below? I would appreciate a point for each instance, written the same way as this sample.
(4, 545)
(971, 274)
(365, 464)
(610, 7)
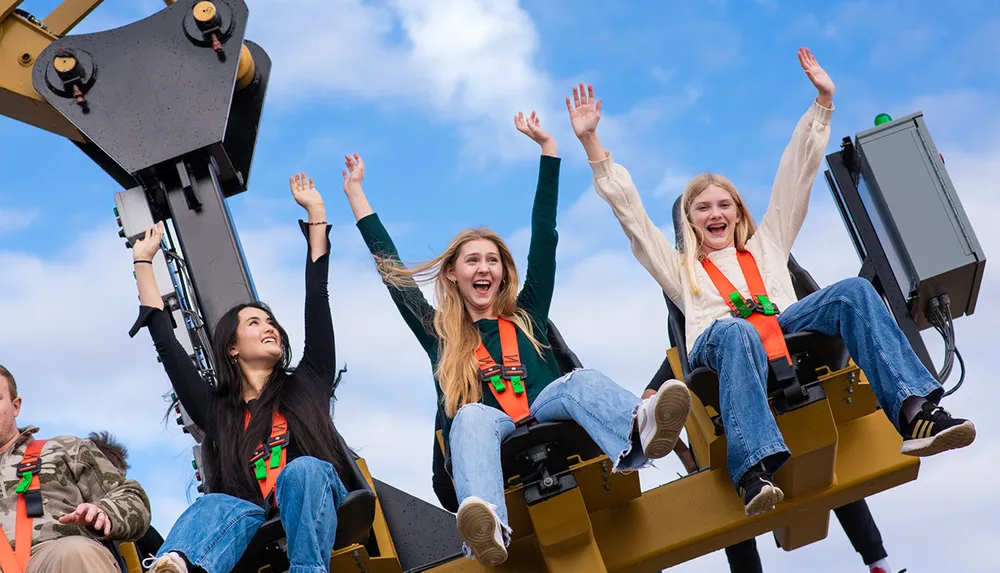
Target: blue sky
(426, 91)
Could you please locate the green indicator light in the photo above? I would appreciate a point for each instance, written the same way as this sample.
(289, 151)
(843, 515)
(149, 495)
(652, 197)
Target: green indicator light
(116, 211)
(882, 118)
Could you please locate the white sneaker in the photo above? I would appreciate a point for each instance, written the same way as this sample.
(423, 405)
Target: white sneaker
(479, 527)
(661, 417)
(167, 563)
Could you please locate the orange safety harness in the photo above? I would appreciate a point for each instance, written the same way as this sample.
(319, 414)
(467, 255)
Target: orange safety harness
(507, 381)
(29, 506)
(758, 309)
(267, 462)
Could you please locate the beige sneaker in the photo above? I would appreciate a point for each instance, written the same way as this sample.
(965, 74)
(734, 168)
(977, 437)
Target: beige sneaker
(167, 563)
(661, 417)
(479, 527)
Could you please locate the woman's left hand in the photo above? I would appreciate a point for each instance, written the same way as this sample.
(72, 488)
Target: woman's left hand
(305, 193)
(89, 514)
(817, 75)
(532, 127)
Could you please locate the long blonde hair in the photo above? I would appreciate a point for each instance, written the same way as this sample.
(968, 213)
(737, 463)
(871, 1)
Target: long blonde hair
(745, 228)
(457, 370)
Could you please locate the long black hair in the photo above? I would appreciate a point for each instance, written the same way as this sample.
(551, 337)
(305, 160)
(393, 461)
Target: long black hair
(227, 460)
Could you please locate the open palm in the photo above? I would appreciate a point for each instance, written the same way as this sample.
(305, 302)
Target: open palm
(585, 111)
(816, 74)
(304, 192)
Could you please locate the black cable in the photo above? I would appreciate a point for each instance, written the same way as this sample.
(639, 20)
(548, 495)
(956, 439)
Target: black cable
(961, 378)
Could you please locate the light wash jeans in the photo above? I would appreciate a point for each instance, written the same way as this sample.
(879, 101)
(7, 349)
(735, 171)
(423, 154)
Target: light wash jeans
(215, 531)
(605, 410)
(851, 309)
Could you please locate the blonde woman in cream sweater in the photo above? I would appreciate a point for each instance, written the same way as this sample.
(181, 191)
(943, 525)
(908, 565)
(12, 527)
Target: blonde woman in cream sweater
(717, 223)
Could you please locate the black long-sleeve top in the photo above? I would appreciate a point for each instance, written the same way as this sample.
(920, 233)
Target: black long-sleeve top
(316, 371)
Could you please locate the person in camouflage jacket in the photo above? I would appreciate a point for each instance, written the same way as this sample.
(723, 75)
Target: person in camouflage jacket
(85, 497)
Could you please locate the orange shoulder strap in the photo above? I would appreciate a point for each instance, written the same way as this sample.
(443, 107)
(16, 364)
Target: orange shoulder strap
(28, 493)
(506, 382)
(766, 324)
(267, 462)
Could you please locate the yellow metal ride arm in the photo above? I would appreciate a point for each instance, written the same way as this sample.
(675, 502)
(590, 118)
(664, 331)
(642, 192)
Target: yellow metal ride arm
(843, 449)
(21, 40)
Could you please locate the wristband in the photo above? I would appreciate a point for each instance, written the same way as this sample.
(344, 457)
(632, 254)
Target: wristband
(141, 261)
(316, 223)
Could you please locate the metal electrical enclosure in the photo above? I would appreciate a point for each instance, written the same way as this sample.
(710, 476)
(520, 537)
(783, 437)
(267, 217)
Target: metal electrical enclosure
(919, 220)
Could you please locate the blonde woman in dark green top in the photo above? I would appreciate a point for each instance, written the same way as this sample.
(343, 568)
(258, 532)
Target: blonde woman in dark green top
(475, 282)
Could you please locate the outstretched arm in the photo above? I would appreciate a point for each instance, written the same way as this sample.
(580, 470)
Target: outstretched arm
(409, 300)
(800, 161)
(319, 358)
(539, 280)
(192, 390)
(353, 176)
(614, 184)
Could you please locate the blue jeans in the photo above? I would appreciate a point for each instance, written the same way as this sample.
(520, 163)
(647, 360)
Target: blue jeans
(215, 531)
(851, 309)
(605, 410)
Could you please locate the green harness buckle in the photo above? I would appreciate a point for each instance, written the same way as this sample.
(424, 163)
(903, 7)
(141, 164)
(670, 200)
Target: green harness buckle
(742, 309)
(497, 383)
(25, 483)
(275, 457)
(517, 384)
(261, 468)
(766, 305)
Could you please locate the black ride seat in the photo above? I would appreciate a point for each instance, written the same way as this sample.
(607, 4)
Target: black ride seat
(538, 455)
(533, 451)
(354, 523)
(809, 350)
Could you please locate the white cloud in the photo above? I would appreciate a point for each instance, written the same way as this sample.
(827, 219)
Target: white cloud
(466, 62)
(13, 220)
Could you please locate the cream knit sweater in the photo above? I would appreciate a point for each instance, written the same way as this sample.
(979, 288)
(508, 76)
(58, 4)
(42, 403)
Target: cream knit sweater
(770, 245)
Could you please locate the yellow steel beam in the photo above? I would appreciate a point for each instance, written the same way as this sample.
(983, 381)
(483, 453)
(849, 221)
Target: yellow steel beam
(8, 6)
(643, 536)
(379, 526)
(68, 14)
(564, 534)
(20, 43)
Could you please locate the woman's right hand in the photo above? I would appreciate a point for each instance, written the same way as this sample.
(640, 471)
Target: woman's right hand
(354, 174)
(585, 111)
(146, 248)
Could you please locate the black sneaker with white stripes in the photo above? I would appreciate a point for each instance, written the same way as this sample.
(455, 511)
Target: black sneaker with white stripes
(758, 491)
(933, 431)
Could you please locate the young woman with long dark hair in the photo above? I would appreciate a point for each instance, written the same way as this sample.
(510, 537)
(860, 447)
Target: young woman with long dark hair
(270, 441)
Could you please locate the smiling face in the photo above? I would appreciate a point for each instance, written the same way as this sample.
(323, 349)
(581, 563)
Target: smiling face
(258, 340)
(477, 271)
(714, 215)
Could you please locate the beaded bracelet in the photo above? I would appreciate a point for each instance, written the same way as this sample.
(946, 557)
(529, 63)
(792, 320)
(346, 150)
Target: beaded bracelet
(316, 223)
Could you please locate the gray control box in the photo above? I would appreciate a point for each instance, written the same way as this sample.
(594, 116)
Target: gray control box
(918, 217)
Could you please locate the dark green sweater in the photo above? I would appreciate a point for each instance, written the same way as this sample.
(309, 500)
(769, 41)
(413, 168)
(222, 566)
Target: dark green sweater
(534, 298)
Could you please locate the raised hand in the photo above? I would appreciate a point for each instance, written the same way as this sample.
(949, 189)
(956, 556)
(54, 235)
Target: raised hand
(354, 174)
(817, 75)
(89, 514)
(585, 111)
(305, 194)
(146, 248)
(532, 127)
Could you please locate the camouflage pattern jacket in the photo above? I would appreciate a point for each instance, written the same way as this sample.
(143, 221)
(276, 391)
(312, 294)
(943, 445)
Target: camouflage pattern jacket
(73, 471)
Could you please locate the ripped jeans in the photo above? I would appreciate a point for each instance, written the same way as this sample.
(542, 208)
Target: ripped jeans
(605, 410)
